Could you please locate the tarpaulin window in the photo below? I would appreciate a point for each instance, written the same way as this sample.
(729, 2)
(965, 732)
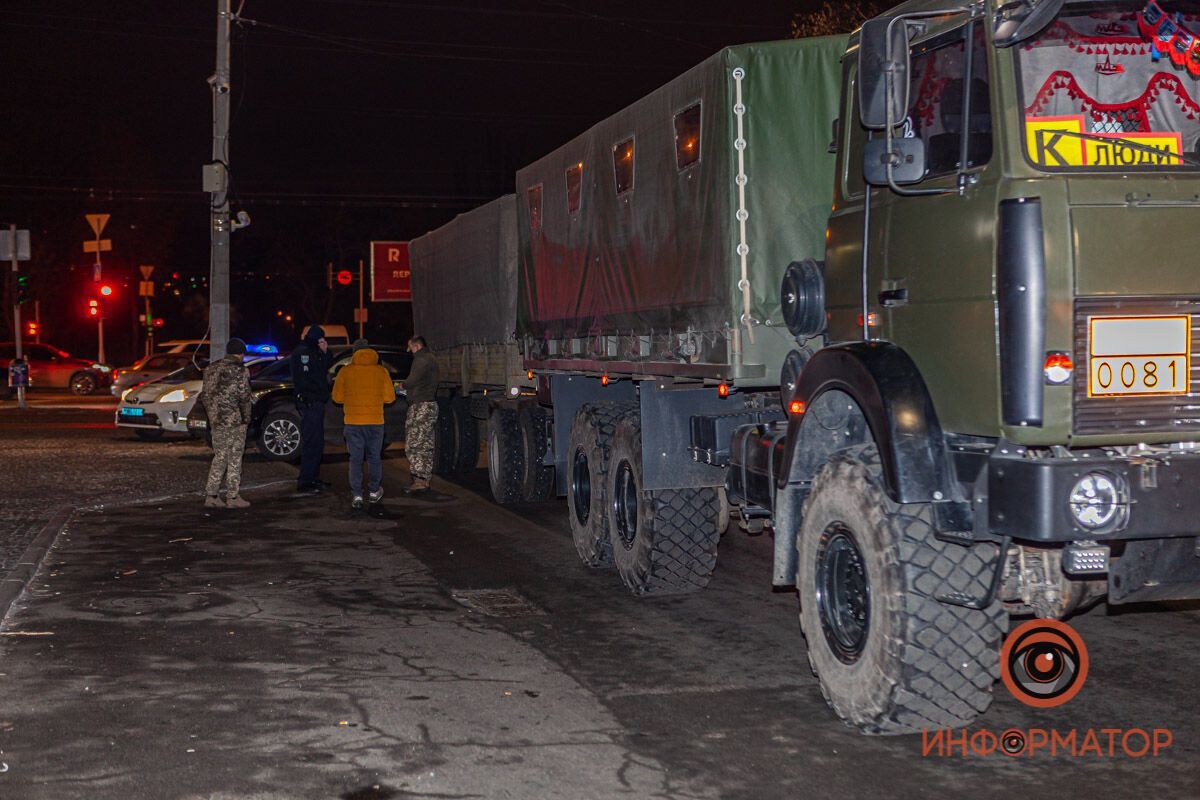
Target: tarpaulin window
(687, 136)
(574, 187)
(535, 207)
(623, 166)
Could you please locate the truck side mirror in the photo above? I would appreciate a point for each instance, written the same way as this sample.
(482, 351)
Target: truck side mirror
(907, 157)
(883, 60)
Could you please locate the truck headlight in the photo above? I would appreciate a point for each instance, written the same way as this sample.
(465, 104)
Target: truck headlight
(174, 396)
(1099, 501)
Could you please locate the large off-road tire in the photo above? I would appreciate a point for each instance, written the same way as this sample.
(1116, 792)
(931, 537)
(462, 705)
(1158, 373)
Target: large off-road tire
(444, 436)
(587, 464)
(537, 485)
(506, 456)
(466, 436)
(889, 656)
(664, 541)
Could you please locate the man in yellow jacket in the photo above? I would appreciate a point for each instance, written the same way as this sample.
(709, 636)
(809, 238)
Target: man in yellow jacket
(363, 388)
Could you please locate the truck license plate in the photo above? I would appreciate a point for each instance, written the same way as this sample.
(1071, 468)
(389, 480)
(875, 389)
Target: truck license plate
(1138, 355)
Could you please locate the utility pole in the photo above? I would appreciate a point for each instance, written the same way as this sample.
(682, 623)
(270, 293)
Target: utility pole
(216, 182)
(12, 232)
(98, 246)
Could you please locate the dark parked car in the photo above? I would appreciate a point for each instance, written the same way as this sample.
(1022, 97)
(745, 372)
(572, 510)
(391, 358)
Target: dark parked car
(51, 368)
(274, 421)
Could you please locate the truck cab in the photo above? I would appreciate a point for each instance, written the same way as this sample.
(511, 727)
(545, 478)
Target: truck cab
(1007, 371)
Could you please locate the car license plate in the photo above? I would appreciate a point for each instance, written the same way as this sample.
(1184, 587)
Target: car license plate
(1138, 355)
(132, 412)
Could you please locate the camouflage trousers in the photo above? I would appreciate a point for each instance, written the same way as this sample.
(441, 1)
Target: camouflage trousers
(419, 428)
(228, 441)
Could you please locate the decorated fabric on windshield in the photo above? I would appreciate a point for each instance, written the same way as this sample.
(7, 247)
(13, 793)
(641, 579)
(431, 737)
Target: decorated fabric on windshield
(1128, 76)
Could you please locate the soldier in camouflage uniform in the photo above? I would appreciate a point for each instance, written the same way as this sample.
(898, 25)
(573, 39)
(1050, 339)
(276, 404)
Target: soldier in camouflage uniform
(226, 397)
(420, 390)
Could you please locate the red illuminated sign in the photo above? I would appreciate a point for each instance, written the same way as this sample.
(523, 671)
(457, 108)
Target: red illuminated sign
(390, 276)
(344, 277)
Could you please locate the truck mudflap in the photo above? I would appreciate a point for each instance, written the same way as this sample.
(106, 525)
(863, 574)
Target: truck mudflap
(1092, 496)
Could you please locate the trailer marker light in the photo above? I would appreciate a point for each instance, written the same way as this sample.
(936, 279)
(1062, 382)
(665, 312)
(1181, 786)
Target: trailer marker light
(1057, 368)
(796, 408)
(872, 320)
(529, 374)
(723, 390)
(604, 380)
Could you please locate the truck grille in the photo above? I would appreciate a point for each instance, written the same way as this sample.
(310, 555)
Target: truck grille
(1100, 415)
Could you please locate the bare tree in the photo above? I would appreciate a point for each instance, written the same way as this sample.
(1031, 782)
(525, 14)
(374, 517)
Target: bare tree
(832, 18)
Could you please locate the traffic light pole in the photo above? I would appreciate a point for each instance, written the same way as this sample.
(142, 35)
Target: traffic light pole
(218, 300)
(12, 230)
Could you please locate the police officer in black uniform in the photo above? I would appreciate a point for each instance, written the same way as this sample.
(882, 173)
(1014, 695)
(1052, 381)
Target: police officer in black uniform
(310, 363)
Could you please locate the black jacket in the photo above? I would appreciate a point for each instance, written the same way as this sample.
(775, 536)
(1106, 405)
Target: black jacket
(310, 373)
(421, 384)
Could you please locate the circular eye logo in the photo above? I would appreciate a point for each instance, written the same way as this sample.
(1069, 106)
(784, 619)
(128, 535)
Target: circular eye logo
(1012, 742)
(1044, 663)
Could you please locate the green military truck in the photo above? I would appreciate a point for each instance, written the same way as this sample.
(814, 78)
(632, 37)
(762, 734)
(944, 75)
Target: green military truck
(464, 279)
(917, 303)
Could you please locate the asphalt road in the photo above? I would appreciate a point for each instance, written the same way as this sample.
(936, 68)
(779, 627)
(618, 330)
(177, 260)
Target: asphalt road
(446, 647)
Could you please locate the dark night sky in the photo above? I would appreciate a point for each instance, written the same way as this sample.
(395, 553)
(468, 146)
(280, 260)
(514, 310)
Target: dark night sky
(360, 106)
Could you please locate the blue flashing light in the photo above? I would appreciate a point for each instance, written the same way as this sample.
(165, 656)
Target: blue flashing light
(263, 349)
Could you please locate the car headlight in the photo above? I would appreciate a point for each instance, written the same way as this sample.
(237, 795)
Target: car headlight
(102, 367)
(125, 393)
(174, 396)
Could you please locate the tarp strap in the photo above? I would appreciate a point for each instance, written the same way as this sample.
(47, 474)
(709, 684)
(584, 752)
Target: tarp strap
(743, 249)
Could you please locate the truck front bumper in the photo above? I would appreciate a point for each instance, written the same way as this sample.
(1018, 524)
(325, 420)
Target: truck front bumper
(1044, 499)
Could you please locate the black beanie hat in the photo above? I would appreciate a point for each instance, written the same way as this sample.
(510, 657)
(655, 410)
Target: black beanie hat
(235, 347)
(315, 333)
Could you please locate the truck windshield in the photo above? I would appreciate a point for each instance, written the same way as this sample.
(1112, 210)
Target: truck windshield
(1114, 86)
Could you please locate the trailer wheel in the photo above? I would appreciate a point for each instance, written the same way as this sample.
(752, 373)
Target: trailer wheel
(506, 456)
(587, 463)
(664, 541)
(890, 657)
(465, 430)
(538, 483)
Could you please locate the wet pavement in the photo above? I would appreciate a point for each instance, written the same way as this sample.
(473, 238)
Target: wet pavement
(445, 647)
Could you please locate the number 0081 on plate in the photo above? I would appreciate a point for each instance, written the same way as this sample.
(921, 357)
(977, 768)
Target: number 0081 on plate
(1138, 355)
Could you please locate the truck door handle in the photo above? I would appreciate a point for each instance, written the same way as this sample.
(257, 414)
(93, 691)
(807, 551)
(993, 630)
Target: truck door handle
(893, 297)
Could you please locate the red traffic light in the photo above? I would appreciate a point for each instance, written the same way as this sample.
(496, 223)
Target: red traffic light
(344, 277)
(31, 329)
(106, 290)
(158, 322)
(93, 307)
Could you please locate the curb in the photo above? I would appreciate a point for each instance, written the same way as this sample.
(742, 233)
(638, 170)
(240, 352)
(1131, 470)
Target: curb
(18, 579)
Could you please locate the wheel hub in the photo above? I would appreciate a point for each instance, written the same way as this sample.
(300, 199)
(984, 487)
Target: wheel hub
(281, 437)
(843, 593)
(581, 487)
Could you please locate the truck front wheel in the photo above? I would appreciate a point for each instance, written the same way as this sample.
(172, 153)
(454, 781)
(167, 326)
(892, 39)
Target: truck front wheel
(663, 541)
(889, 656)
